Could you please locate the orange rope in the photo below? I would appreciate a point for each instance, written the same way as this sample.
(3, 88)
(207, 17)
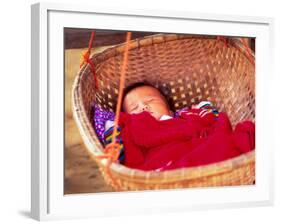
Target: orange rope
(223, 39)
(243, 40)
(250, 56)
(86, 59)
(121, 86)
(112, 150)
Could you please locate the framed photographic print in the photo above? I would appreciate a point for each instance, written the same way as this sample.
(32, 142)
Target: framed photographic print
(138, 111)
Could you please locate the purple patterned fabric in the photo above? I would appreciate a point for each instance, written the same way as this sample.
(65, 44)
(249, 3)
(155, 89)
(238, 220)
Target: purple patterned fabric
(100, 117)
(177, 113)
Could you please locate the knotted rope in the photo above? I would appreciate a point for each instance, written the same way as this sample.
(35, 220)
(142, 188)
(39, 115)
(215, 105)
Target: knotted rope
(86, 59)
(112, 150)
(248, 51)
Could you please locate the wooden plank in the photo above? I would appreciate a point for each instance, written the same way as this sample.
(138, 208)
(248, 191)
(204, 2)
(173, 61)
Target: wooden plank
(79, 38)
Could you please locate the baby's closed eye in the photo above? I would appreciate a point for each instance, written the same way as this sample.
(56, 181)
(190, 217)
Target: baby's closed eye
(133, 108)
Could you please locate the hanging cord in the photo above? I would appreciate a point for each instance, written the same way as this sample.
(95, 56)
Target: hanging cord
(245, 44)
(86, 59)
(223, 39)
(248, 50)
(112, 150)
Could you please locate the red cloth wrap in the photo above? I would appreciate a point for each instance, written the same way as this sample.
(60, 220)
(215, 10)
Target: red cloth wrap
(190, 140)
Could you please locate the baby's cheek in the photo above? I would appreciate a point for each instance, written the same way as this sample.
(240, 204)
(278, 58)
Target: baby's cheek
(136, 111)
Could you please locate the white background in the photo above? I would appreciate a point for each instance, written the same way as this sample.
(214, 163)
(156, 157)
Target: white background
(15, 111)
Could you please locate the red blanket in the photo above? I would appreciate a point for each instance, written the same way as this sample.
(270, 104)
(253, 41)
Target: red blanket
(190, 140)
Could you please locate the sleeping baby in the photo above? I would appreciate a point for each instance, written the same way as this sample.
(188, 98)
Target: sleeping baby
(151, 138)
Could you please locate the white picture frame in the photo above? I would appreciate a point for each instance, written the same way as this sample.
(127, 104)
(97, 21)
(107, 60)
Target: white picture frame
(48, 201)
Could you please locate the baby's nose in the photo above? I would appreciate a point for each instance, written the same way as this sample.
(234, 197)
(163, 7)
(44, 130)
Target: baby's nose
(145, 107)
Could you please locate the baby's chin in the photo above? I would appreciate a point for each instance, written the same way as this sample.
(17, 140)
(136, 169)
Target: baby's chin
(156, 116)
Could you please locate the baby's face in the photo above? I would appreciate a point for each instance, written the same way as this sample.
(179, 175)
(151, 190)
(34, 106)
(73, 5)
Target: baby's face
(146, 98)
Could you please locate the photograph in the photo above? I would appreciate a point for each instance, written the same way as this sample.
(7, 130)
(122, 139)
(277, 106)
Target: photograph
(140, 112)
(156, 110)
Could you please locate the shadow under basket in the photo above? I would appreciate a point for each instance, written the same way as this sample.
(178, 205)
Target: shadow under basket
(188, 69)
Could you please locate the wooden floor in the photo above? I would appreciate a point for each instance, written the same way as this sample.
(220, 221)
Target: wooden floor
(81, 172)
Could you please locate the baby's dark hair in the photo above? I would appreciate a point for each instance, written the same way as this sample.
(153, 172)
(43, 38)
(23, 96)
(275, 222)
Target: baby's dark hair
(140, 84)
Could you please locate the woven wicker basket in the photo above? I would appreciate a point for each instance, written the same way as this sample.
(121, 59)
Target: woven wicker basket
(188, 69)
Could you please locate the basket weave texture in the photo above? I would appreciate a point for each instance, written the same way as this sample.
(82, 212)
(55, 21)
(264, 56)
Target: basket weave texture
(188, 69)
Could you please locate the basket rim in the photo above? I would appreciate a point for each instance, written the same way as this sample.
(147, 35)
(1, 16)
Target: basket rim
(94, 146)
(188, 173)
(118, 49)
